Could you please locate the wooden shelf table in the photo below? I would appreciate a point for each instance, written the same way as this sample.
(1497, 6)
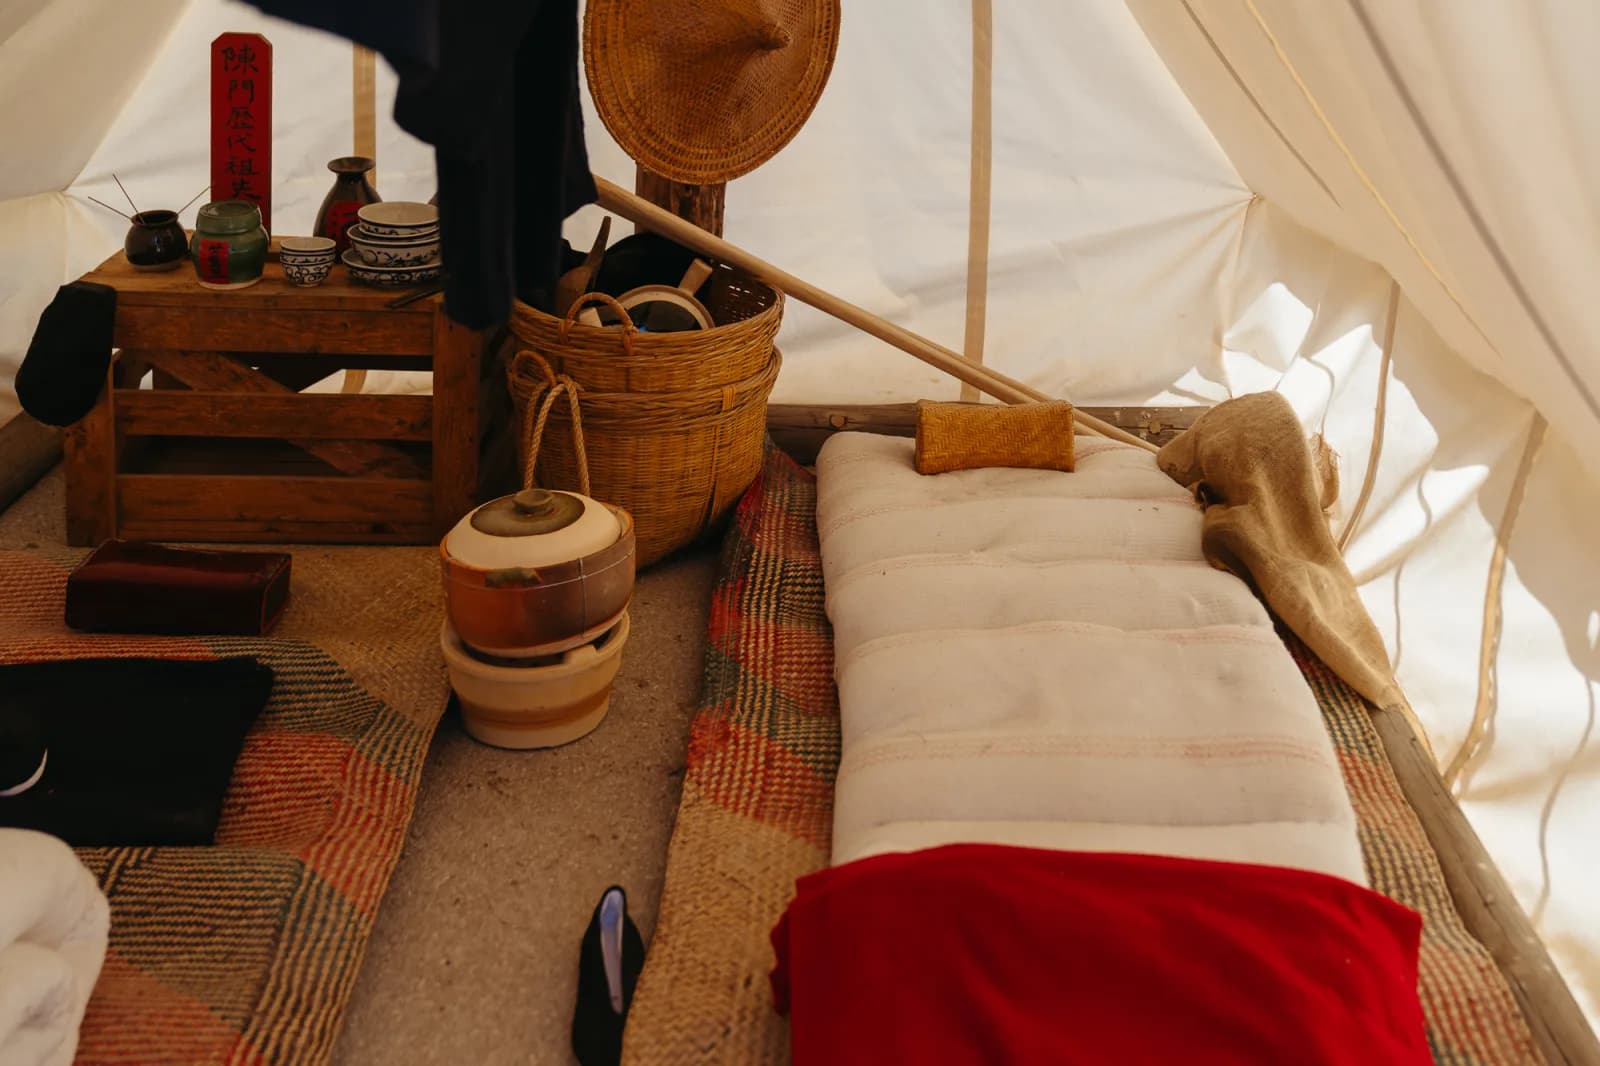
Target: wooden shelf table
(226, 446)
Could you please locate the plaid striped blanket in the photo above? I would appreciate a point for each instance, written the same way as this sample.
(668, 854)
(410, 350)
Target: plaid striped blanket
(757, 812)
(246, 952)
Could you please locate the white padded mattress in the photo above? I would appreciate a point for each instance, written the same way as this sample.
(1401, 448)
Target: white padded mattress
(1045, 659)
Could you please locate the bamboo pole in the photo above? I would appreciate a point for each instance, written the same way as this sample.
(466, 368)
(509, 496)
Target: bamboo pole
(643, 213)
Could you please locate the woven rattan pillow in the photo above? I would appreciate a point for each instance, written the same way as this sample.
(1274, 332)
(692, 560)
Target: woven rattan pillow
(963, 436)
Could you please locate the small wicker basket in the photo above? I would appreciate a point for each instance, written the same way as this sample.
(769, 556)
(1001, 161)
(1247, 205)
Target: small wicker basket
(669, 425)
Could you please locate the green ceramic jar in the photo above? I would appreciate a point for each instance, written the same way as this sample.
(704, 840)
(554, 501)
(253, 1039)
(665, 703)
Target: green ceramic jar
(229, 247)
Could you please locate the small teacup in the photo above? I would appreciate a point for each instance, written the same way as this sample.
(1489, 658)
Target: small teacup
(307, 273)
(306, 260)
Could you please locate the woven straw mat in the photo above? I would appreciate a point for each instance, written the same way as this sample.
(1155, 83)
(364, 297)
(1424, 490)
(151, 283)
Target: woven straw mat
(246, 952)
(757, 813)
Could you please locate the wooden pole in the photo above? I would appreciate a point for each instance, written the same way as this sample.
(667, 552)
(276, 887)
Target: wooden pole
(982, 152)
(701, 204)
(642, 212)
(364, 129)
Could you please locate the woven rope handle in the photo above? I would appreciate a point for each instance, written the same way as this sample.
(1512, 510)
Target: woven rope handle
(543, 398)
(626, 320)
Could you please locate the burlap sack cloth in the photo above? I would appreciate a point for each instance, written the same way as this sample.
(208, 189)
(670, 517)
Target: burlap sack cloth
(1266, 490)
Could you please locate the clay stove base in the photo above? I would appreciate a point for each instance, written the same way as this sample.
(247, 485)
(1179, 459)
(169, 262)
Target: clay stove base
(544, 706)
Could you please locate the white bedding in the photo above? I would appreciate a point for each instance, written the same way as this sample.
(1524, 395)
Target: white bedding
(54, 921)
(1045, 659)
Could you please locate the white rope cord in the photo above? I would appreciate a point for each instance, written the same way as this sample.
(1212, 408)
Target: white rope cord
(1379, 418)
(978, 200)
(1487, 703)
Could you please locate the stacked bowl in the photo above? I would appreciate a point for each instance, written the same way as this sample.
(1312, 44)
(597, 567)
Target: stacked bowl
(394, 243)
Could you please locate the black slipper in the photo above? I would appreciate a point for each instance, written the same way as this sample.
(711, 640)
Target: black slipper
(609, 961)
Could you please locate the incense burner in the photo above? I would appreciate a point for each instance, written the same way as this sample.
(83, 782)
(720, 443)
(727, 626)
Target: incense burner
(155, 241)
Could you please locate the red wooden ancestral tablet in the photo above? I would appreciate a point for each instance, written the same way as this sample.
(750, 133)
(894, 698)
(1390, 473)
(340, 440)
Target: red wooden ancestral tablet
(241, 121)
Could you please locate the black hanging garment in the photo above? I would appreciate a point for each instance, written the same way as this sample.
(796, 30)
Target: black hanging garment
(493, 86)
(65, 368)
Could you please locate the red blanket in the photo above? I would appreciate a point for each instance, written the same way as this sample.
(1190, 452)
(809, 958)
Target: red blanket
(987, 954)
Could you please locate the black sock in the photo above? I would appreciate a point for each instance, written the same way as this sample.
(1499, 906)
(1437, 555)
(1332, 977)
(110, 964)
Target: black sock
(65, 368)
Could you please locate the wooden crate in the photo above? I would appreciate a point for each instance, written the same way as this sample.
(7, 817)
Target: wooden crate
(226, 447)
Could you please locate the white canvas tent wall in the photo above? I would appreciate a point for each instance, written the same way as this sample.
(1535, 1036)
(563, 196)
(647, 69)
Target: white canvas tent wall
(1175, 219)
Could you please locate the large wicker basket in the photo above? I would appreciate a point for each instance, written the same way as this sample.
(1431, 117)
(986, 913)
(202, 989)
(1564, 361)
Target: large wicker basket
(669, 426)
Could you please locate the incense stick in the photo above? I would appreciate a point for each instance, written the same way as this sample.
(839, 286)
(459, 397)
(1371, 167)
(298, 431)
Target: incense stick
(193, 198)
(125, 192)
(108, 207)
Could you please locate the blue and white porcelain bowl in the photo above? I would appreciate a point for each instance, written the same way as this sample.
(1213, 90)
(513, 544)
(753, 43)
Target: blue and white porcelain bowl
(392, 277)
(390, 252)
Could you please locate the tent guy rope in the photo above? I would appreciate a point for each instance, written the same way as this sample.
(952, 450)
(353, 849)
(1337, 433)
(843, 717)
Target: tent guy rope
(642, 212)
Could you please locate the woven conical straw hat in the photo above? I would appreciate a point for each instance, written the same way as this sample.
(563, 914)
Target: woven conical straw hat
(702, 91)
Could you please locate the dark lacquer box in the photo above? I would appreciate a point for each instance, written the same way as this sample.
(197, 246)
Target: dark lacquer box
(133, 587)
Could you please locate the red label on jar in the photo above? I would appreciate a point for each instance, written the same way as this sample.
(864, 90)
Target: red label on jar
(337, 222)
(212, 262)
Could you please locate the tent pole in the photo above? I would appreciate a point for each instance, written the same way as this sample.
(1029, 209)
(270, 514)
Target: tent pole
(643, 213)
(978, 200)
(364, 127)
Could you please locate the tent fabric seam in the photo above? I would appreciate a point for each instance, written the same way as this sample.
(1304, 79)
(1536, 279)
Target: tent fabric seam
(1255, 102)
(1366, 180)
(1496, 252)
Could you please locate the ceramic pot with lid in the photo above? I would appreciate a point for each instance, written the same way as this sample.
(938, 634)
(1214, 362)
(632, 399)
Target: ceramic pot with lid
(229, 247)
(537, 572)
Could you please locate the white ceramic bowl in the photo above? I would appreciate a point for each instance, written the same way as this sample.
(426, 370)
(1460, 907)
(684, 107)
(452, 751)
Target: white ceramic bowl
(537, 706)
(397, 218)
(393, 253)
(306, 249)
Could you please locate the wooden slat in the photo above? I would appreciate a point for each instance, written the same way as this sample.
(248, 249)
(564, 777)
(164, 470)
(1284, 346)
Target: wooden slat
(28, 449)
(179, 288)
(313, 416)
(151, 499)
(801, 429)
(457, 352)
(326, 365)
(1486, 903)
(211, 371)
(91, 471)
(280, 532)
(226, 329)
